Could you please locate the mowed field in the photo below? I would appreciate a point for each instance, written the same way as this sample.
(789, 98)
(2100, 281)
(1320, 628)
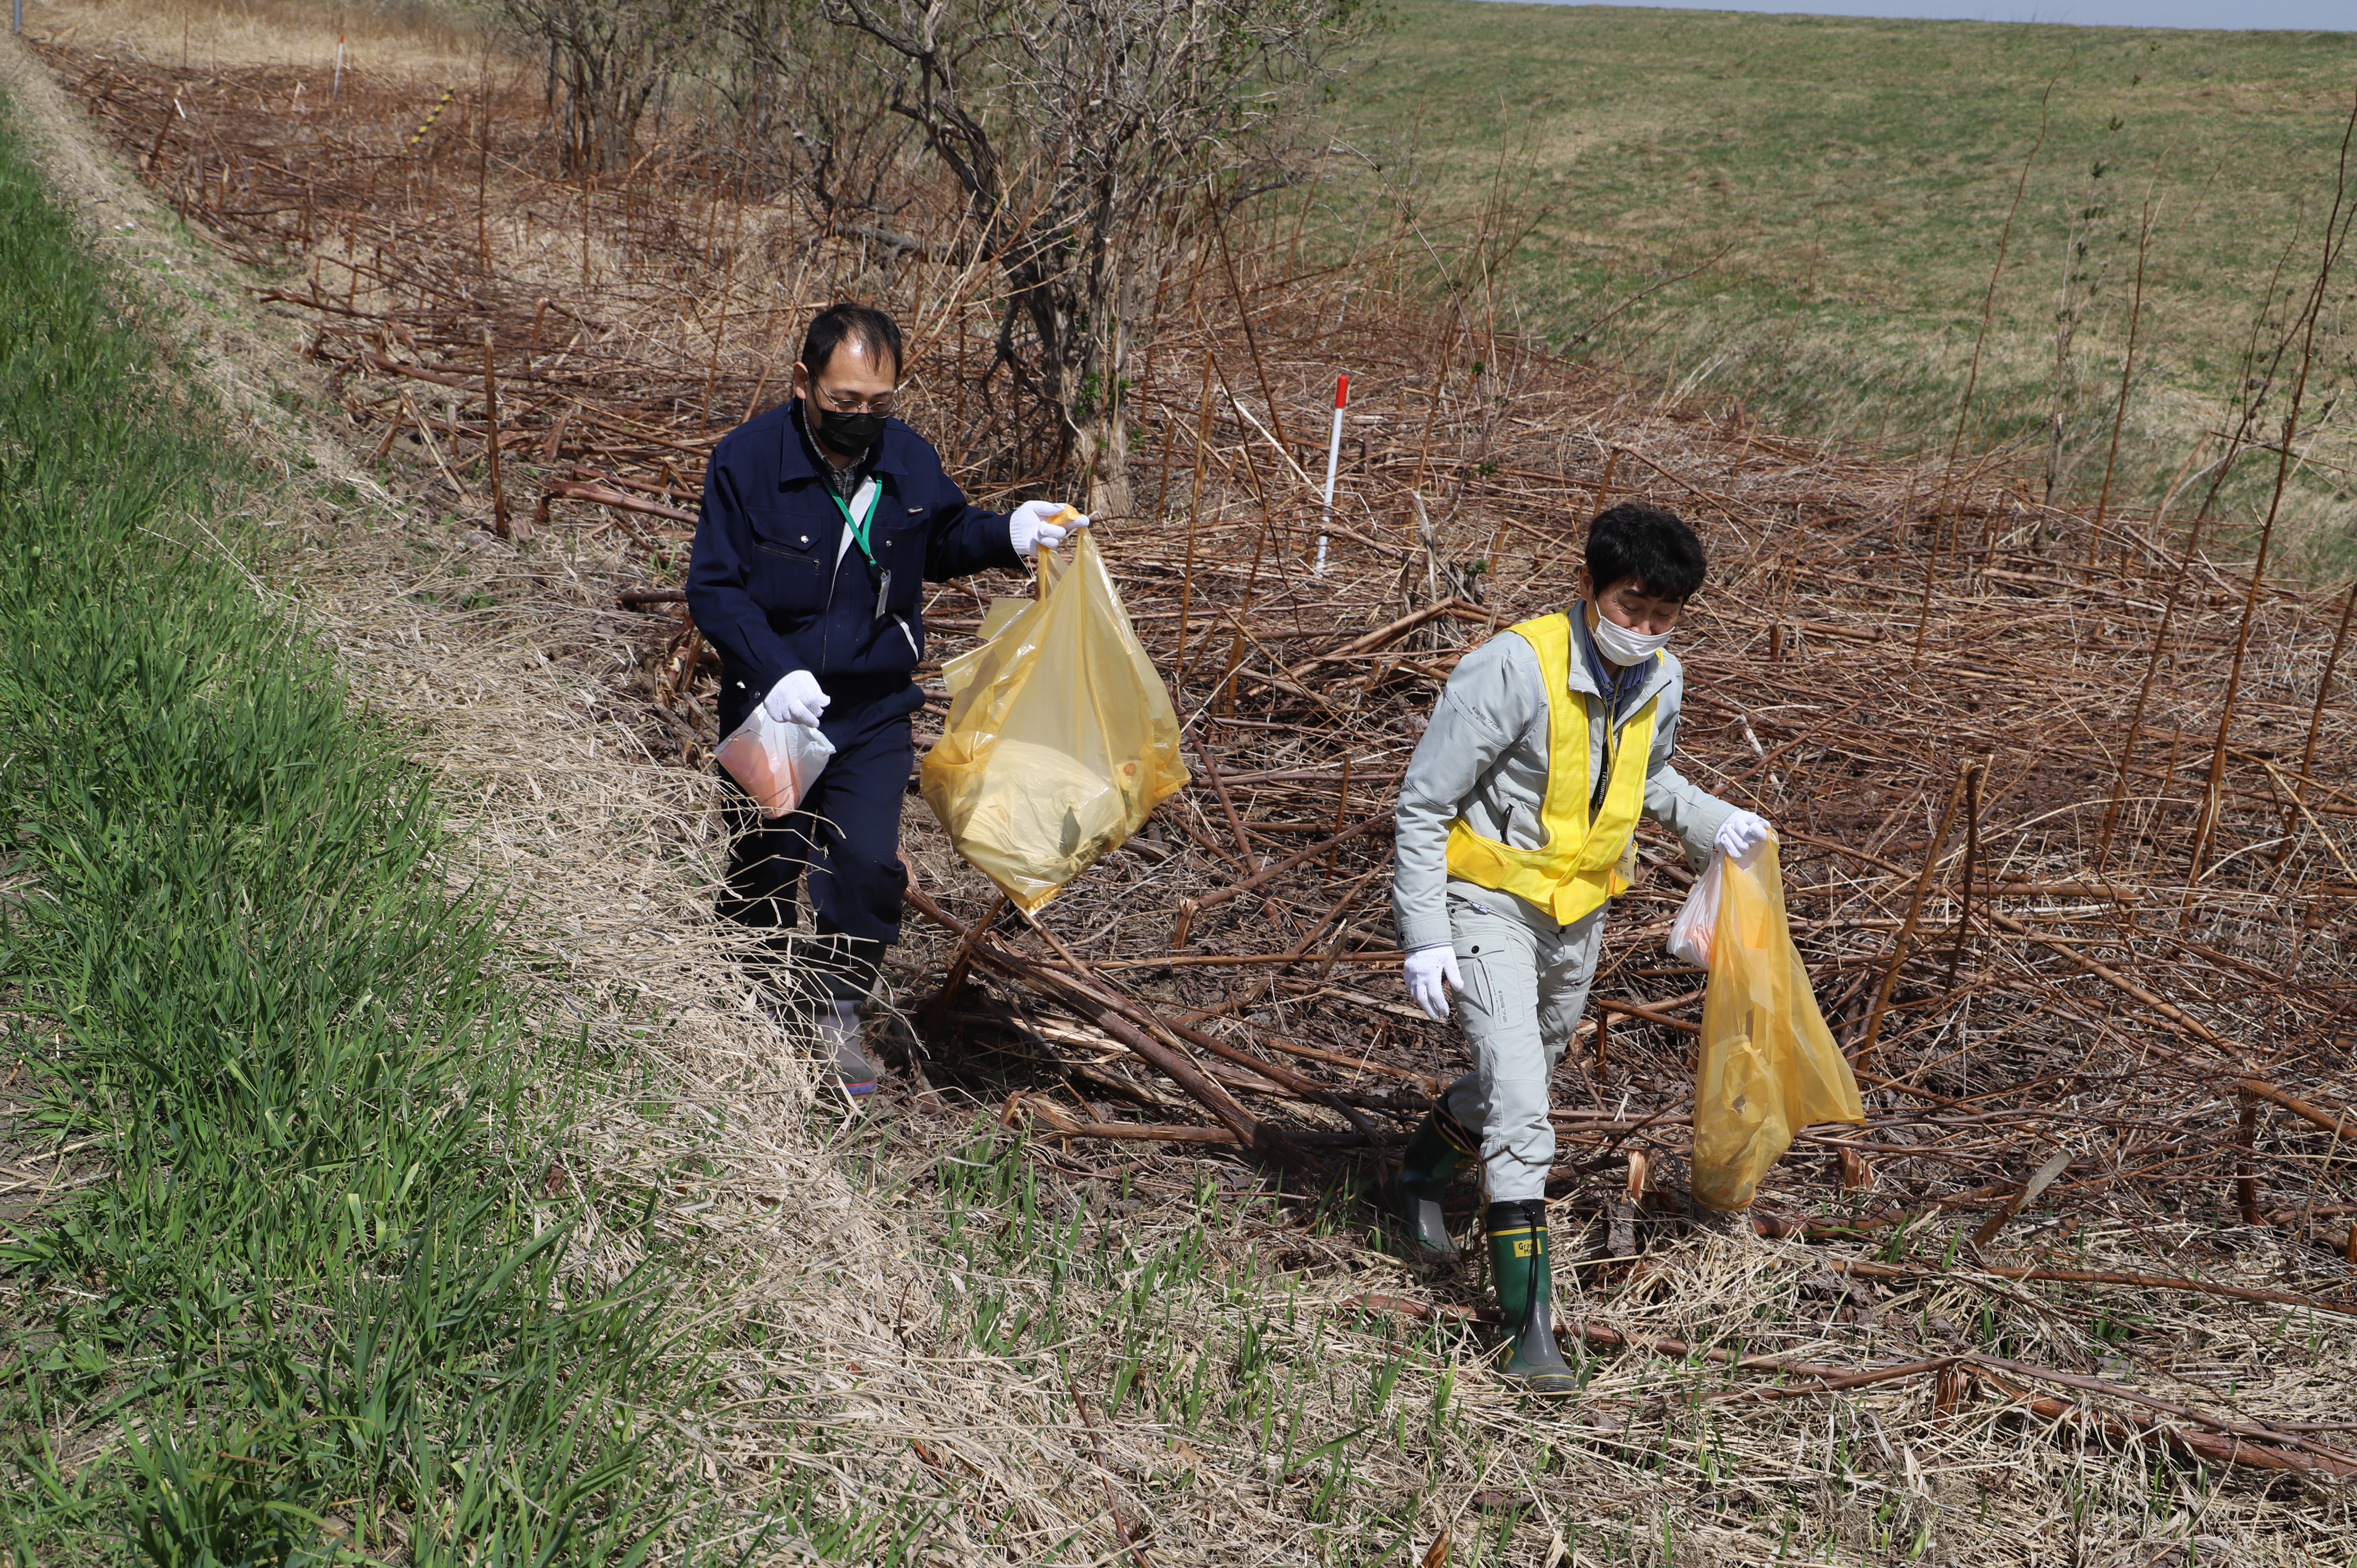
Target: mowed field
(1805, 213)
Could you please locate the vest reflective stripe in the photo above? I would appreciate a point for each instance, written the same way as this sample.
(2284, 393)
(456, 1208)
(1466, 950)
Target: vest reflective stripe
(1581, 864)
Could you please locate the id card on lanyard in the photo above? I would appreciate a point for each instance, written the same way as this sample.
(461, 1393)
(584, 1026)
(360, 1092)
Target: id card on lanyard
(859, 525)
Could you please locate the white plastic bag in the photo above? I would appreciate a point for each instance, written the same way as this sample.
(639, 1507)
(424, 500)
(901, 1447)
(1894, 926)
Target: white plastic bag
(1690, 932)
(773, 762)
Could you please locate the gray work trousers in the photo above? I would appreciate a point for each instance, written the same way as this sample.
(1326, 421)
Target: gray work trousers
(1526, 984)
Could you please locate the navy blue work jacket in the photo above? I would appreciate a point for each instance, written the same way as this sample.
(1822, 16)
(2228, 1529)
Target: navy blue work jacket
(766, 585)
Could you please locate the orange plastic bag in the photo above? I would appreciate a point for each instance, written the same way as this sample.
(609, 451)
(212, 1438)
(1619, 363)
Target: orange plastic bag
(1768, 1065)
(1061, 739)
(773, 761)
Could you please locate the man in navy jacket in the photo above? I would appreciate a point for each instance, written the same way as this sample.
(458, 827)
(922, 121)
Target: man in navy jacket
(822, 520)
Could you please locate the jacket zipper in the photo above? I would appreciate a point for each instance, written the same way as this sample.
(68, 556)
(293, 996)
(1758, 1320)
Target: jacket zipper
(1615, 720)
(826, 616)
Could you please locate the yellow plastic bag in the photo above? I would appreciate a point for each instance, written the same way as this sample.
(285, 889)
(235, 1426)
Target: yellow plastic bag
(1768, 1066)
(1061, 739)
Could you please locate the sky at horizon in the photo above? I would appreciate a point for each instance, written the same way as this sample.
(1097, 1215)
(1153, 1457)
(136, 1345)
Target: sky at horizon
(2298, 16)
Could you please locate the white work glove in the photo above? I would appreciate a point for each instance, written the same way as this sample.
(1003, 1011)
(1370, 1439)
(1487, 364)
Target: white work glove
(796, 700)
(1741, 836)
(1431, 976)
(1027, 528)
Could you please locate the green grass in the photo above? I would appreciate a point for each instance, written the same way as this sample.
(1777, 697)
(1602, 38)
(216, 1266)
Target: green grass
(1176, 1332)
(316, 1298)
(1843, 185)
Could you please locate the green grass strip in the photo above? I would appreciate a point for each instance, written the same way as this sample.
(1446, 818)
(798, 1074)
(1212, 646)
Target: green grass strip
(313, 1306)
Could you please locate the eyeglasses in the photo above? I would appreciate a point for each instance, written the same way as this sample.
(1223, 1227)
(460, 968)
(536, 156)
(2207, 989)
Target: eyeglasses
(834, 402)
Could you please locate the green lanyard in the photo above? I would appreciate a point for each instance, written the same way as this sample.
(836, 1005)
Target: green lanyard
(859, 525)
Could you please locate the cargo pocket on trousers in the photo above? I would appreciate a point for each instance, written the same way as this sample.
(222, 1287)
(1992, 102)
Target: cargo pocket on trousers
(1479, 994)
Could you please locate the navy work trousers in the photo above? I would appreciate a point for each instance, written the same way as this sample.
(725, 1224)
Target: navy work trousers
(846, 837)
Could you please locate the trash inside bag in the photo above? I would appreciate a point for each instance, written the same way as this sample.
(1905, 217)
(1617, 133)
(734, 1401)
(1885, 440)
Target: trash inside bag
(775, 763)
(1698, 916)
(1768, 1066)
(1061, 739)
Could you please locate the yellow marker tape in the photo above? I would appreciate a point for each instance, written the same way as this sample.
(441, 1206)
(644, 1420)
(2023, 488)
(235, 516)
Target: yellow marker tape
(419, 134)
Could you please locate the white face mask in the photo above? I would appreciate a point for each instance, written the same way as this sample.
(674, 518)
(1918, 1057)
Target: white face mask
(1624, 647)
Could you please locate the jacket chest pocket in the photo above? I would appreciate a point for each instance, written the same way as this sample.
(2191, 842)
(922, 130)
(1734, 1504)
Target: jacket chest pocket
(790, 558)
(899, 537)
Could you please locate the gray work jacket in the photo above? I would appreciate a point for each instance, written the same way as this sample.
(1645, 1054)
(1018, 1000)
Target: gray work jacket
(1484, 758)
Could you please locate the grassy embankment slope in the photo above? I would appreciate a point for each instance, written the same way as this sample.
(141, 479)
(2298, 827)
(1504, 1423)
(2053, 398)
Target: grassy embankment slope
(1843, 185)
(290, 1279)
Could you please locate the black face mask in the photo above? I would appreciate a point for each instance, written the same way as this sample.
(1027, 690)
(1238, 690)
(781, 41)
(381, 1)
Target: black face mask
(846, 435)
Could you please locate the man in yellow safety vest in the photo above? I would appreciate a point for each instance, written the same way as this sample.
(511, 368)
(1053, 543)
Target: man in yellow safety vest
(1516, 825)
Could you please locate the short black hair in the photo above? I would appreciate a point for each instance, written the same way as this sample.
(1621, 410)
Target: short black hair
(1646, 544)
(870, 328)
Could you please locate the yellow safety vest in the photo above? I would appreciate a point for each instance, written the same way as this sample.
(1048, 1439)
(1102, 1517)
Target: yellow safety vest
(1581, 864)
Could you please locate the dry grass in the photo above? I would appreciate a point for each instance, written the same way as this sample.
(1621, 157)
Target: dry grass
(436, 42)
(941, 1328)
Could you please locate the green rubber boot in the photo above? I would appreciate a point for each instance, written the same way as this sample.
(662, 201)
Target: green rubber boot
(1525, 1280)
(1436, 1152)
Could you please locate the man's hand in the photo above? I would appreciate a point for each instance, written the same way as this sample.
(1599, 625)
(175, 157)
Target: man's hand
(796, 699)
(1431, 976)
(1042, 525)
(1741, 836)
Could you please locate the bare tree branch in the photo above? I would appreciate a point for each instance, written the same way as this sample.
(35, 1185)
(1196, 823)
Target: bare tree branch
(1079, 134)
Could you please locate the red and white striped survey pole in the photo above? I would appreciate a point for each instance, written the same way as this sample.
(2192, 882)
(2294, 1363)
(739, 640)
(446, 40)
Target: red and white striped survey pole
(1333, 459)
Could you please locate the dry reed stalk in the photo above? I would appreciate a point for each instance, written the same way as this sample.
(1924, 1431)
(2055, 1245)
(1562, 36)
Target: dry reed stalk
(2127, 374)
(500, 523)
(1194, 513)
(2336, 239)
(1973, 776)
(1864, 1055)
